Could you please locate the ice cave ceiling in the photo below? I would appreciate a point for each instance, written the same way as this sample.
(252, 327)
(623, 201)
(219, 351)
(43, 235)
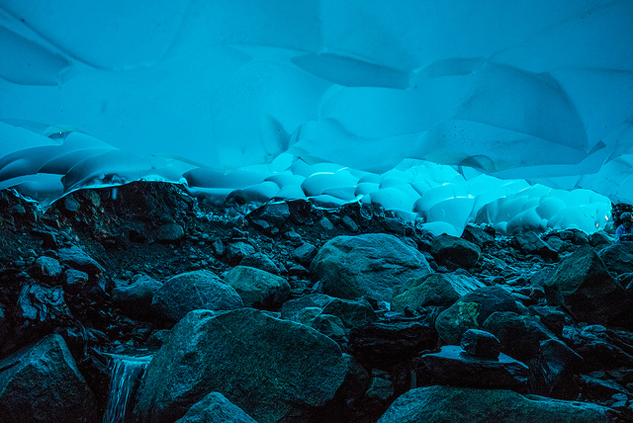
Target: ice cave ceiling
(335, 101)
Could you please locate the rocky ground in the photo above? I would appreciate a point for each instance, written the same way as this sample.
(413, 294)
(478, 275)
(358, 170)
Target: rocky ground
(296, 314)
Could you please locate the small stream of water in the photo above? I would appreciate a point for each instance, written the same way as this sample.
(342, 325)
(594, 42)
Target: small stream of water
(126, 375)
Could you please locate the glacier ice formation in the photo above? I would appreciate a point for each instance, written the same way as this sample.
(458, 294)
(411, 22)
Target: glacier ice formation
(436, 110)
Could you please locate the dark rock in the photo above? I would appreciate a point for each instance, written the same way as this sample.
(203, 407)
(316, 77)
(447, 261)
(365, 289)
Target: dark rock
(268, 367)
(366, 265)
(600, 239)
(530, 243)
(618, 258)
(435, 404)
(325, 224)
(170, 232)
(76, 258)
(292, 236)
(438, 289)
(352, 313)
(552, 373)
(329, 325)
(39, 305)
(260, 261)
(599, 347)
(477, 236)
(215, 408)
(70, 204)
(471, 311)
(294, 309)
(585, 288)
(41, 383)
(600, 389)
(349, 224)
(380, 387)
(136, 298)
(47, 268)
(304, 253)
(258, 288)
(200, 289)
(158, 338)
(575, 236)
(237, 251)
(75, 280)
(520, 335)
(451, 250)
(276, 214)
(453, 366)
(394, 225)
(385, 344)
(481, 344)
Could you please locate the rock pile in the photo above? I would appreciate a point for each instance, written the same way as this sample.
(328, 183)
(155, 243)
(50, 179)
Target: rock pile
(292, 313)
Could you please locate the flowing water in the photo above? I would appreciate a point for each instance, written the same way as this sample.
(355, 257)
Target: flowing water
(126, 375)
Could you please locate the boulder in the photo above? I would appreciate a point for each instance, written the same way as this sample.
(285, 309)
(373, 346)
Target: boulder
(520, 335)
(585, 288)
(454, 404)
(438, 289)
(530, 243)
(47, 268)
(600, 239)
(552, 373)
(258, 288)
(371, 265)
(270, 368)
(276, 214)
(260, 261)
(42, 306)
(600, 348)
(294, 309)
(481, 344)
(189, 291)
(77, 258)
(471, 311)
(618, 258)
(477, 236)
(384, 344)
(453, 251)
(41, 383)
(170, 232)
(236, 251)
(304, 253)
(215, 408)
(136, 298)
(455, 367)
(352, 313)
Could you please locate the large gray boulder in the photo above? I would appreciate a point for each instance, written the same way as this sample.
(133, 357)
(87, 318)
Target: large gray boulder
(618, 258)
(215, 408)
(258, 288)
(196, 290)
(583, 285)
(471, 311)
(453, 251)
(439, 289)
(452, 404)
(136, 297)
(270, 368)
(41, 383)
(371, 265)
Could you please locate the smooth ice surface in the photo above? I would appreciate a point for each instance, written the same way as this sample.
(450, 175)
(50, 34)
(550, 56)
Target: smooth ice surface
(282, 99)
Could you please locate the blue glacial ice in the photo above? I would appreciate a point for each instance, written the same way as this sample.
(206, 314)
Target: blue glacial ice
(439, 111)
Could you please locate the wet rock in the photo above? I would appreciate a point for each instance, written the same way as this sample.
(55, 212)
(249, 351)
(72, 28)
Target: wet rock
(200, 289)
(618, 258)
(452, 404)
(260, 261)
(275, 214)
(41, 383)
(584, 287)
(304, 253)
(294, 309)
(438, 289)
(530, 243)
(600, 239)
(39, 305)
(325, 224)
(352, 313)
(481, 344)
(349, 224)
(453, 251)
(236, 251)
(329, 325)
(366, 265)
(453, 366)
(46, 268)
(136, 298)
(600, 389)
(277, 369)
(552, 373)
(520, 335)
(554, 319)
(471, 311)
(258, 288)
(385, 344)
(76, 258)
(477, 236)
(215, 408)
(599, 347)
(170, 232)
